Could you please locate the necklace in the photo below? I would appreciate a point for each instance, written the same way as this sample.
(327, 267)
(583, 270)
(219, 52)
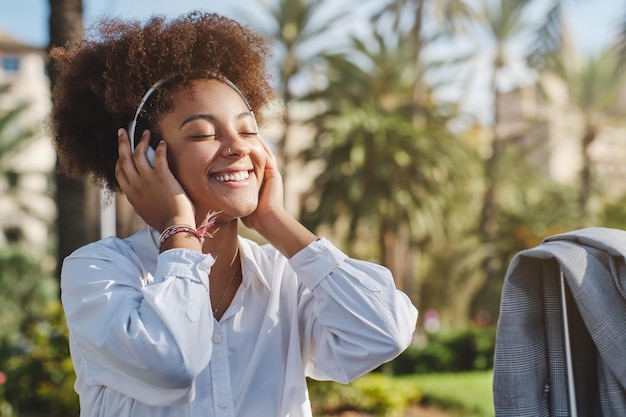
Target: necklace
(230, 280)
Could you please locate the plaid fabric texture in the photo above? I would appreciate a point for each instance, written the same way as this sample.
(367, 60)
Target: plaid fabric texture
(529, 371)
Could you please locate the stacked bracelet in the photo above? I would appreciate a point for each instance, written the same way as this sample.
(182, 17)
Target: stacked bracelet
(198, 233)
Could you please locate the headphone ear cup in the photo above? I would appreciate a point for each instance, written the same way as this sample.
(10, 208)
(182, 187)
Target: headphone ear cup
(150, 155)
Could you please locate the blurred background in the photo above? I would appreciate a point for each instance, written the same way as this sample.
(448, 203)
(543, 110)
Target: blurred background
(437, 137)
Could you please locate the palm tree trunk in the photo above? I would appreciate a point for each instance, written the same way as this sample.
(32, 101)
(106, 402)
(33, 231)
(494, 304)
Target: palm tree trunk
(419, 119)
(489, 215)
(77, 201)
(586, 186)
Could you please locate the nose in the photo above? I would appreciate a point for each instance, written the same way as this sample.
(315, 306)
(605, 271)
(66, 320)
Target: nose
(236, 150)
(235, 144)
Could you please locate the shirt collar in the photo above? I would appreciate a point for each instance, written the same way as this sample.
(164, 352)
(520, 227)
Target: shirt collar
(250, 264)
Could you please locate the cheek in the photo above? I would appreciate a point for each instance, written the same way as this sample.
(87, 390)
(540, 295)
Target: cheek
(184, 158)
(259, 158)
(182, 167)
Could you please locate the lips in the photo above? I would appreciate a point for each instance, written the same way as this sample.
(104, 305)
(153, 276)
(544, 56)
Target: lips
(232, 176)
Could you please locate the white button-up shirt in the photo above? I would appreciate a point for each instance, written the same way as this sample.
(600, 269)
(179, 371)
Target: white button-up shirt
(144, 342)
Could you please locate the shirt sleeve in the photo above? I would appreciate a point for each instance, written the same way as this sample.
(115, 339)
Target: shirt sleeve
(148, 342)
(353, 317)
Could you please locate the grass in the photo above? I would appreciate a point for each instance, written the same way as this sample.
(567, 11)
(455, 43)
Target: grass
(467, 394)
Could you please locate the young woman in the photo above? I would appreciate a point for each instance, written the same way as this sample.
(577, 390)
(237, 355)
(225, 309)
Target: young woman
(186, 317)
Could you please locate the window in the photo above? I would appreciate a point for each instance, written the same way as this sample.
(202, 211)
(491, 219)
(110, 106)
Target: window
(10, 63)
(13, 234)
(13, 179)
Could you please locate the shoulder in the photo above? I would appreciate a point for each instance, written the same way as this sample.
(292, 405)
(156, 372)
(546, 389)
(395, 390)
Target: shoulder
(135, 253)
(112, 245)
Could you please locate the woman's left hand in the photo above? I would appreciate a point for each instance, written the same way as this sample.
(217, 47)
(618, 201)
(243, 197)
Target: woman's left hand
(271, 220)
(271, 195)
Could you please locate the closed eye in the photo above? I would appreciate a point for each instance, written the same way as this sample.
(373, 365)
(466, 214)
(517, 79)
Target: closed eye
(202, 137)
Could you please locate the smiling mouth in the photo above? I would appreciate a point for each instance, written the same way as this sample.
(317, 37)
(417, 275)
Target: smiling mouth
(233, 177)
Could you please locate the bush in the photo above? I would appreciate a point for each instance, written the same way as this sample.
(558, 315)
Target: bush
(373, 393)
(469, 349)
(40, 376)
(34, 356)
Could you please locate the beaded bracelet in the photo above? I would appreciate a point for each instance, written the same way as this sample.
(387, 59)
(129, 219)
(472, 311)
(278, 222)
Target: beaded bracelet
(199, 233)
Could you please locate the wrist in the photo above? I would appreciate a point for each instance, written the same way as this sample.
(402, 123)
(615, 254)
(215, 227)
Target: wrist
(268, 221)
(181, 240)
(285, 232)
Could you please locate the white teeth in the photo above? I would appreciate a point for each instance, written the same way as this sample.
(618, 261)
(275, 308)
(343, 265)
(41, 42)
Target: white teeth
(237, 176)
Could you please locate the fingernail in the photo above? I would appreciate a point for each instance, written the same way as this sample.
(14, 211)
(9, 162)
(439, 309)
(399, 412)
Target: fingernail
(119, 132)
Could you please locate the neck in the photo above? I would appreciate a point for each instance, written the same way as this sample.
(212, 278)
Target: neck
(223, 246)
(224, 242)
(225, 275)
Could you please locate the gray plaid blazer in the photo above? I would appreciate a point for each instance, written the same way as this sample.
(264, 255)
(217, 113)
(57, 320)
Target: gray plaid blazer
(529, 369)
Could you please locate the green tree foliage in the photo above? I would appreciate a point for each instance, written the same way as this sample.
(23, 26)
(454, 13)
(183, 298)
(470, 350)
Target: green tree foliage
(14, 138)
(385, 179)
(13, 135)
(298, 29)
(595, 85)
(422, 24)
(40, 374)
(502, 21)
(24, 292)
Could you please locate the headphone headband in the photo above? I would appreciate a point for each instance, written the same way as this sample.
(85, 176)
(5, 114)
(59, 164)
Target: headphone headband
(133, 124)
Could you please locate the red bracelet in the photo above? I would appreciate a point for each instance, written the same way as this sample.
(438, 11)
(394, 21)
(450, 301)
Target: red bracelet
(199, 233)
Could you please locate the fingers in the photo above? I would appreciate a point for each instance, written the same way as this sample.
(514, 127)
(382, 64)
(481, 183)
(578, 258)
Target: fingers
(124, 164)
(271, 158)
(160, 158)
(129, 163)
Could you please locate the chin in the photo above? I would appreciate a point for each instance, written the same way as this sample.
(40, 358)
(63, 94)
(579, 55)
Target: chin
(240, 211)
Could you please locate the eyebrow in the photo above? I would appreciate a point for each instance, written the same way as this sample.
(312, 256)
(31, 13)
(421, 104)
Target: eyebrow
(211, 118)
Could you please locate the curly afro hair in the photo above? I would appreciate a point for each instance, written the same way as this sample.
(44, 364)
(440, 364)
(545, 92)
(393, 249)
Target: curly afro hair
(102, 79)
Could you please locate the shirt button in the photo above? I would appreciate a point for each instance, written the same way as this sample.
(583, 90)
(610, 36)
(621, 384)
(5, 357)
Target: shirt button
(223, 404)
(217, 338)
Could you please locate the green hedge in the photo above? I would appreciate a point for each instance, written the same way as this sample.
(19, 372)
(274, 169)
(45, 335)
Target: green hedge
(35, 364)
(374, 393)
(469, 349)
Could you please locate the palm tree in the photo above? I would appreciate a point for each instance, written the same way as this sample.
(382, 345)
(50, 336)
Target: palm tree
(13, 139)
(450, 17)
(503, 21)
(595, 85)
(384, 179)
(297, 29)
(77, 200)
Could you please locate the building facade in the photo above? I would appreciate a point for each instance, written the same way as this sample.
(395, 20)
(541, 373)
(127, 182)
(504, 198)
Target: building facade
(27, 208)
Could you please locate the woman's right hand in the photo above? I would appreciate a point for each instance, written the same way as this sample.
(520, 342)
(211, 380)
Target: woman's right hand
(155, 194)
